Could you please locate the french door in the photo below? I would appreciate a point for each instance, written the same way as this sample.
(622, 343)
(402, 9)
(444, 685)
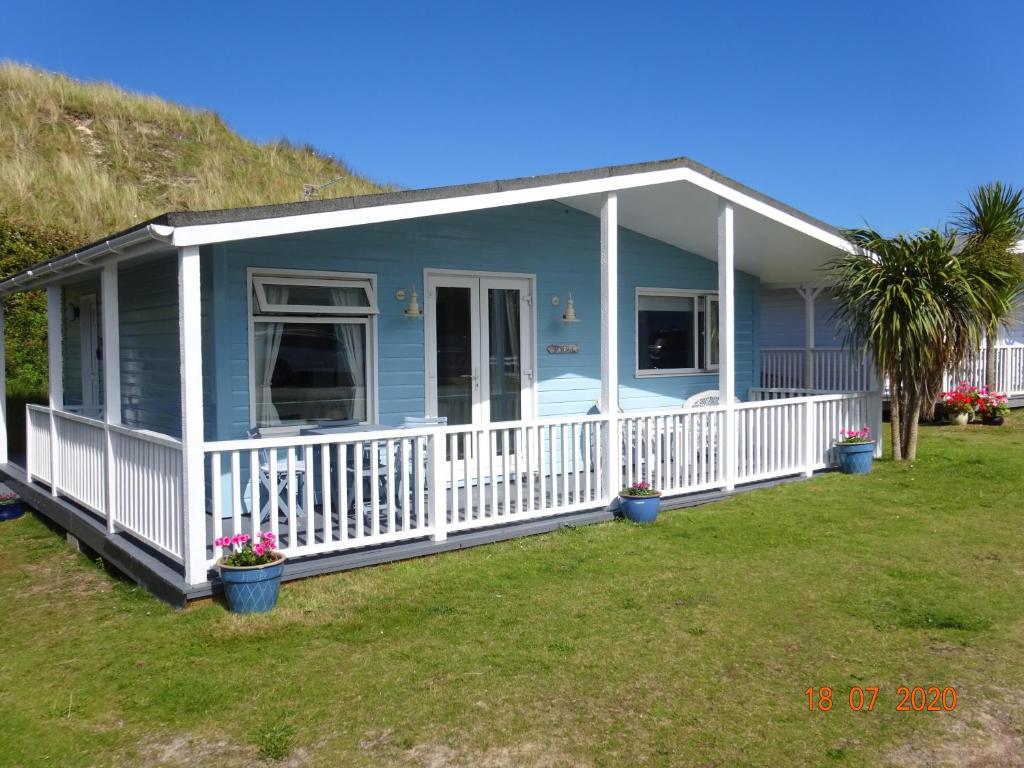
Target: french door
(479, 348)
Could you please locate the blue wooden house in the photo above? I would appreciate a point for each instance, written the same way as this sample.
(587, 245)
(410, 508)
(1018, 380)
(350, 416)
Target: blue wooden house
(395, 374)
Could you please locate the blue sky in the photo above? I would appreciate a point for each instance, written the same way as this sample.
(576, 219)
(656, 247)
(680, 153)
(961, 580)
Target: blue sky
(855, 110)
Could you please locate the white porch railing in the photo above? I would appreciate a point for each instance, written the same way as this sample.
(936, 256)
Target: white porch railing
(837, 370)
(1009, 370)
(144, 469)
(825, 369)
(335, 492)
(332, 493)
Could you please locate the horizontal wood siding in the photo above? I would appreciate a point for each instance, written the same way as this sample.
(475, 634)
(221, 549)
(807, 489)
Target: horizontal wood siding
(782, 319)
(150, 360)
(559, 245)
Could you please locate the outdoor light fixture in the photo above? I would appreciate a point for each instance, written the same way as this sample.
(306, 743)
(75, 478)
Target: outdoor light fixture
(413, 308)
(570, 311)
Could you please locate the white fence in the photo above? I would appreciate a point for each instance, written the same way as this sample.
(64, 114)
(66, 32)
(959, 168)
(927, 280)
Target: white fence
(826, 369)
(329, 493)
(1009, 370)
(336, 492)
(831, 369)
(132, 478)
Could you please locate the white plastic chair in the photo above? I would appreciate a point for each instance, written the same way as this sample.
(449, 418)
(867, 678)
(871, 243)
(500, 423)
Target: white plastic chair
(706, 399)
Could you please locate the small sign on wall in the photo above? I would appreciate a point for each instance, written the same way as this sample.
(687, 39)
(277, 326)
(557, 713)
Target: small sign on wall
(563, 349)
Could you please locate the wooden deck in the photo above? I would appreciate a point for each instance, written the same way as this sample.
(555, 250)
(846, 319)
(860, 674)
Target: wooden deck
(164, 578)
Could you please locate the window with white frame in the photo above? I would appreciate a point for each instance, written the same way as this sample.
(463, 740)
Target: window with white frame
(676, 331)
(312, 347)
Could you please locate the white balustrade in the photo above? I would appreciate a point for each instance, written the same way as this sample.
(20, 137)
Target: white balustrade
(784, 371)
(146, 470)
(329, 493)
(37, 443)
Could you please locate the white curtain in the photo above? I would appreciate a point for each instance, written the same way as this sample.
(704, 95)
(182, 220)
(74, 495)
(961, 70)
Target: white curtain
(266, 355)
(352, 343)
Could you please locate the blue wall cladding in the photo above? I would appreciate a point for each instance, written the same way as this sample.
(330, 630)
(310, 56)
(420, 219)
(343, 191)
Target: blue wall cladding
(558, 245)
(150, 359)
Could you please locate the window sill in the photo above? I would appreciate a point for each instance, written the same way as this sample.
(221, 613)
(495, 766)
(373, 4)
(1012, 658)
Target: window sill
(657, 374)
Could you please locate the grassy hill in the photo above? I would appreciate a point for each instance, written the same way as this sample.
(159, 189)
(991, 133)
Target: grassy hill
(90, 158)
(80, 160)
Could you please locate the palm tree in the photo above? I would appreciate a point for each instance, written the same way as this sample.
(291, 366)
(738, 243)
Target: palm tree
(991, 225)
(909, 302)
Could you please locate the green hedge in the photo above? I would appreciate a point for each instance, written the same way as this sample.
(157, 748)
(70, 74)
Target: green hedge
(25, 313)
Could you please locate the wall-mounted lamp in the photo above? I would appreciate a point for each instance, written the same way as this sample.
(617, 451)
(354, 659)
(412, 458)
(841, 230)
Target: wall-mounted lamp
(413, 308)
(71, 312)
(570, 311)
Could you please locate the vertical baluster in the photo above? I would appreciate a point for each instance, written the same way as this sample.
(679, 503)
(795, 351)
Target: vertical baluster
(549, 484)
(482, 464)
(492, 470)
(374, 490)
(588, 433)
(505, 479)
(467, 476)
(389, 484)
(308, 497)
(453, 480)
(528, 486)
(236, 495)
(254, 492)
(342, 483)
(293, 539)
(420, 468)
(325, 492)
(406, 485)
(359, 475)
(599, 468)
(574, 462)
(274, 495)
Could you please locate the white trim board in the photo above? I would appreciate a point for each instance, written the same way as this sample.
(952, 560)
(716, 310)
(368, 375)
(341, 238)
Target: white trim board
(201, 234)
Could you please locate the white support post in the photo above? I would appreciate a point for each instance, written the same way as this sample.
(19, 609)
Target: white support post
(727, 340)
(3, 388)
(809, 295)
(111, 378)
(191, 354)
(436, 496)
(55, 344)
(610, 342)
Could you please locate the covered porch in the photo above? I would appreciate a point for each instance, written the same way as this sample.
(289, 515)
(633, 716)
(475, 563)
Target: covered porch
(372, 486)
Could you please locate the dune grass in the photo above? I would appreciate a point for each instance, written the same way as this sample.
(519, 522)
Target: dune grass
(686, 643)
(91, 158)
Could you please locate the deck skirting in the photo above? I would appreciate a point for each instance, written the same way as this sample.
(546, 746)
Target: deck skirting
(165, 580)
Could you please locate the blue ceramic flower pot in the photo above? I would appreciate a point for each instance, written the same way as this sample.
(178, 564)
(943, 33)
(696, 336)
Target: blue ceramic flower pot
(12, 510)
(253, 589)
(640, 509)
(855, 458)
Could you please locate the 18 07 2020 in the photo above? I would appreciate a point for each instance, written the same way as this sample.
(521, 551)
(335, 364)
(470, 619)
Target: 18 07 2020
(867, 698)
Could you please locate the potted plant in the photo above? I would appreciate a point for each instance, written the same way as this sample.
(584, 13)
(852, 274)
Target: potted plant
(958, 405)
(640, 502)
(855, 450)
(251, 572)
(11, 507)
(993, 408)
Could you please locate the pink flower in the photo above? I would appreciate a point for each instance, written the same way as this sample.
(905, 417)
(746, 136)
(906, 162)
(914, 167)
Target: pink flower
(223, 541)
(258, 550)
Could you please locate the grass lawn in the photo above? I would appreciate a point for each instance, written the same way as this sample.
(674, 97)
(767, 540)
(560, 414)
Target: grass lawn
(690, 642)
